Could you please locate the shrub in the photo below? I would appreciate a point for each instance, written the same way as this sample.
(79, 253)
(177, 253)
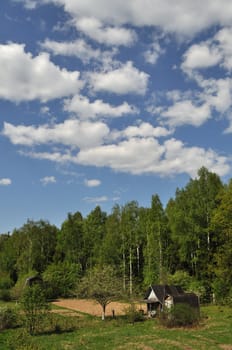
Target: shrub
(35, 308)
(5, 295)
(8, 318)
(180, 315)
(5, 282)
(21, 340)
(133, 314)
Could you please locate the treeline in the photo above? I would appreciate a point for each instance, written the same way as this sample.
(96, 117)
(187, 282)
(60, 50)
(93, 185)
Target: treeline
(187, 243)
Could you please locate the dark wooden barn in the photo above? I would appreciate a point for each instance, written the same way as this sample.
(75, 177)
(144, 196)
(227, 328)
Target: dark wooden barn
(159, 296)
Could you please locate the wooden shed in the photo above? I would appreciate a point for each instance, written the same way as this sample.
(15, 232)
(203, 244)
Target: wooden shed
(159, 296)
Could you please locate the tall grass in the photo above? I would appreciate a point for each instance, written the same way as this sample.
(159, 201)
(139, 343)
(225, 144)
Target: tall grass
(86, 332)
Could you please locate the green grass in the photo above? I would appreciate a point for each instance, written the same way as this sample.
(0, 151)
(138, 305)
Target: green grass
(214, 332)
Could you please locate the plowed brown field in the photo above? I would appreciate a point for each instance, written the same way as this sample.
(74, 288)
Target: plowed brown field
(93, 308)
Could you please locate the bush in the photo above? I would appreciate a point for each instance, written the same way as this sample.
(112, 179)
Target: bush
(5, 282)
(8, 318)
(35, 308)
(133, 314)
(180, 315)
(21, 340)
(5, 295)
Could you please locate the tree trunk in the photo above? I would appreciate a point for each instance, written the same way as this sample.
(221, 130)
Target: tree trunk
(138, 260)
(131, 272)
(160, 257)
(103, 312)
(124, 269)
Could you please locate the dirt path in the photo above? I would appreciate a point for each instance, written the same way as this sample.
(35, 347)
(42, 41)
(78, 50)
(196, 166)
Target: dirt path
(93, 308)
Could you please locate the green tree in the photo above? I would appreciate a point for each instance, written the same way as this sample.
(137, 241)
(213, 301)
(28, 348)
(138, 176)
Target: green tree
(35, 243)
(156, 243)
(101, 284)
(190, 217)
(94, 233)
(111, 244)
(70, 240)
(61, 279)
(222, 225)
(130, 242)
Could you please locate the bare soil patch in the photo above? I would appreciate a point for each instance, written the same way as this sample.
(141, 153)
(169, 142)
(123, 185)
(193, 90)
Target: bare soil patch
(91, 307)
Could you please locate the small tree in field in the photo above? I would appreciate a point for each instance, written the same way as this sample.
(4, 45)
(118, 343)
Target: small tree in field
(102, 285)
(34, 306)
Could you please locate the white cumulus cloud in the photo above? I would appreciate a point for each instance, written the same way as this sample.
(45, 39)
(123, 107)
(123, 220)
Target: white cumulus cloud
(71, 133)
(83, 108)
(201, 56)
(78, 48)
(123, 80)
(186, 112)
(183, 17)
(25, 78)
(108, 35)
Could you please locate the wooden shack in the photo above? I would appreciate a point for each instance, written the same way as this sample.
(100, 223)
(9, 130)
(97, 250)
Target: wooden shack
(158, 297)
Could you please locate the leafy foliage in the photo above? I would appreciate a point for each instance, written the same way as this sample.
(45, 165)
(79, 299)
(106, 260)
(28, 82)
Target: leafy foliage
(8, 318)
(61, 279)
(133, 314)
(100, 284)
(193, 234)
(180, 315)
(35, 307)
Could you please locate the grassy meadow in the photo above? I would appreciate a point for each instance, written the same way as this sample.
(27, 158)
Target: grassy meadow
(76, 331)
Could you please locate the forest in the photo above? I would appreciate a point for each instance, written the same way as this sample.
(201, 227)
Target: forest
(188, 243)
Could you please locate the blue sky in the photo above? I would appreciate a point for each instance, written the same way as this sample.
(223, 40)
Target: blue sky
(107, 101)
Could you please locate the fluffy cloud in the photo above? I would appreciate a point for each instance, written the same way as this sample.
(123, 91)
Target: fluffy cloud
(218, 93)
(48, 180)
(224, 40)
(24, 77)
(142, 130)
(179, 157)
(181, 16)
(71, 133)
(78, 48)
(124, 80)
(153, 53)
(92, 183)
(81, 106)
(214, 51)
(185, 112)
(135, 150)
(93, 28)
(141, 156)
(5, 182)
(201, 56)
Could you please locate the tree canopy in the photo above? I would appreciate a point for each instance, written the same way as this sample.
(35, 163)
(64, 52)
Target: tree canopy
(191, 237)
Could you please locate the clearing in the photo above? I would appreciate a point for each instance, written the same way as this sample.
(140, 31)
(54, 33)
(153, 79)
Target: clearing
(91, 307)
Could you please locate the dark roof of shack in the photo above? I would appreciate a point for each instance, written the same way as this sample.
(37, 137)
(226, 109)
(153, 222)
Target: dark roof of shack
(161, 291)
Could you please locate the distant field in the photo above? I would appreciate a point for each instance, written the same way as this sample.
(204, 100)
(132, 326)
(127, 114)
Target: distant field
(91, 333)
(92, 308)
